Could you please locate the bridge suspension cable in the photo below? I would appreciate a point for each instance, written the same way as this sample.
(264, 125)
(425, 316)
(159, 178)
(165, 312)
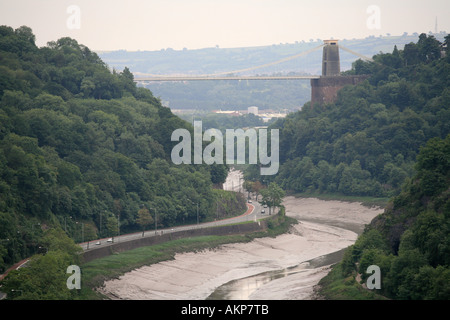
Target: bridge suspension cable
(355, 53)
(228, 75)
(269, 64)
(204, 76)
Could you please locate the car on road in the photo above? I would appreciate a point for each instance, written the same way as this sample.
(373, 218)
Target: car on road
(263, 211)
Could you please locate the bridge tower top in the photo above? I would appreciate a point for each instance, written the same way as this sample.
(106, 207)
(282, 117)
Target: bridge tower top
(330, 58)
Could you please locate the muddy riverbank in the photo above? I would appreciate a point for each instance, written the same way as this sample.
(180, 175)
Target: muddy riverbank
(324, 227)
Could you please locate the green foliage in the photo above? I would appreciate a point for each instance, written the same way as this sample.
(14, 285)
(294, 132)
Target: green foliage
(233, 95)
(44, 277)
(144, 219)
(81, 146)
(366, 142)
(228, 204)
(272, 196)
(410, 241)
(338, 286)
(223, 121)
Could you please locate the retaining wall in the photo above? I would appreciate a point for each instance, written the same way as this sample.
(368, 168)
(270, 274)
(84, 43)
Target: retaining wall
(101, 252)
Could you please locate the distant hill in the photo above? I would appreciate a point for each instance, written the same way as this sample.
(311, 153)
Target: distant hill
(215, 60)
(234, 95)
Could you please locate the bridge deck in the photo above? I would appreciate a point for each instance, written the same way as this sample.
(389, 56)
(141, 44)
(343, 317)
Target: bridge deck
(198, 78)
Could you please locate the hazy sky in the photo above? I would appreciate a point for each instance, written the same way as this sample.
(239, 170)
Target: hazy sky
(156, 24)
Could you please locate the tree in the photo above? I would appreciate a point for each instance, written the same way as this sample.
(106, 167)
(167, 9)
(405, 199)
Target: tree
(429, 48)
(112, 226)
(219, 173)
(272, 196)
(433, 166)
(447, 44)
(127, 81)
(26, 37)
(361, 67)
(144, 218)
(80, 141)
(44, 277)
(411, 54)
(257, 187)
(248, 185)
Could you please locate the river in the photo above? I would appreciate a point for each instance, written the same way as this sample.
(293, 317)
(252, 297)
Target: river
(288, 266)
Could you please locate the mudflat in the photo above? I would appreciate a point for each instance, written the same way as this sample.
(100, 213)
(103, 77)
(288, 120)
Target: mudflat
(324, 227)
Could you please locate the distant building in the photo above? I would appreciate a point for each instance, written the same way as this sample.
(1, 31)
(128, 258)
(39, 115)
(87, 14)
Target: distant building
(228, 112)
(253, 110)
(266, 117)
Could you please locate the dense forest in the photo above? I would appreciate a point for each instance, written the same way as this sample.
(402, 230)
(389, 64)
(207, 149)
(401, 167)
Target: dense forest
(366, 142)
(410, 241)
(82, 146)
(389, 136)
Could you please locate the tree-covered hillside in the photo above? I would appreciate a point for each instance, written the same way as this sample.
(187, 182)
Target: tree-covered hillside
(81, 146)
(366, 142)
(410, 241)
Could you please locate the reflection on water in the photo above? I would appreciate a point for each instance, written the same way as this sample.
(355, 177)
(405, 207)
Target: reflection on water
(241, 289)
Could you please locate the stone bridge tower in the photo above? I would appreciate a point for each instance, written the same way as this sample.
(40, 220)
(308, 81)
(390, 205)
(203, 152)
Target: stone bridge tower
(324, 90)
(331, 65)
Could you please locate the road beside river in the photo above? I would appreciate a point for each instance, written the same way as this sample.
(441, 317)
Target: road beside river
(324, 227)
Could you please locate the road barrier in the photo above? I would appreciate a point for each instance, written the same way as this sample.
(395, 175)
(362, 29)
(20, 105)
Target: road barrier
(148, 241)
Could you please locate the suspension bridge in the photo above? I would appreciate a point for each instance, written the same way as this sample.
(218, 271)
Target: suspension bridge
(330, 67)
